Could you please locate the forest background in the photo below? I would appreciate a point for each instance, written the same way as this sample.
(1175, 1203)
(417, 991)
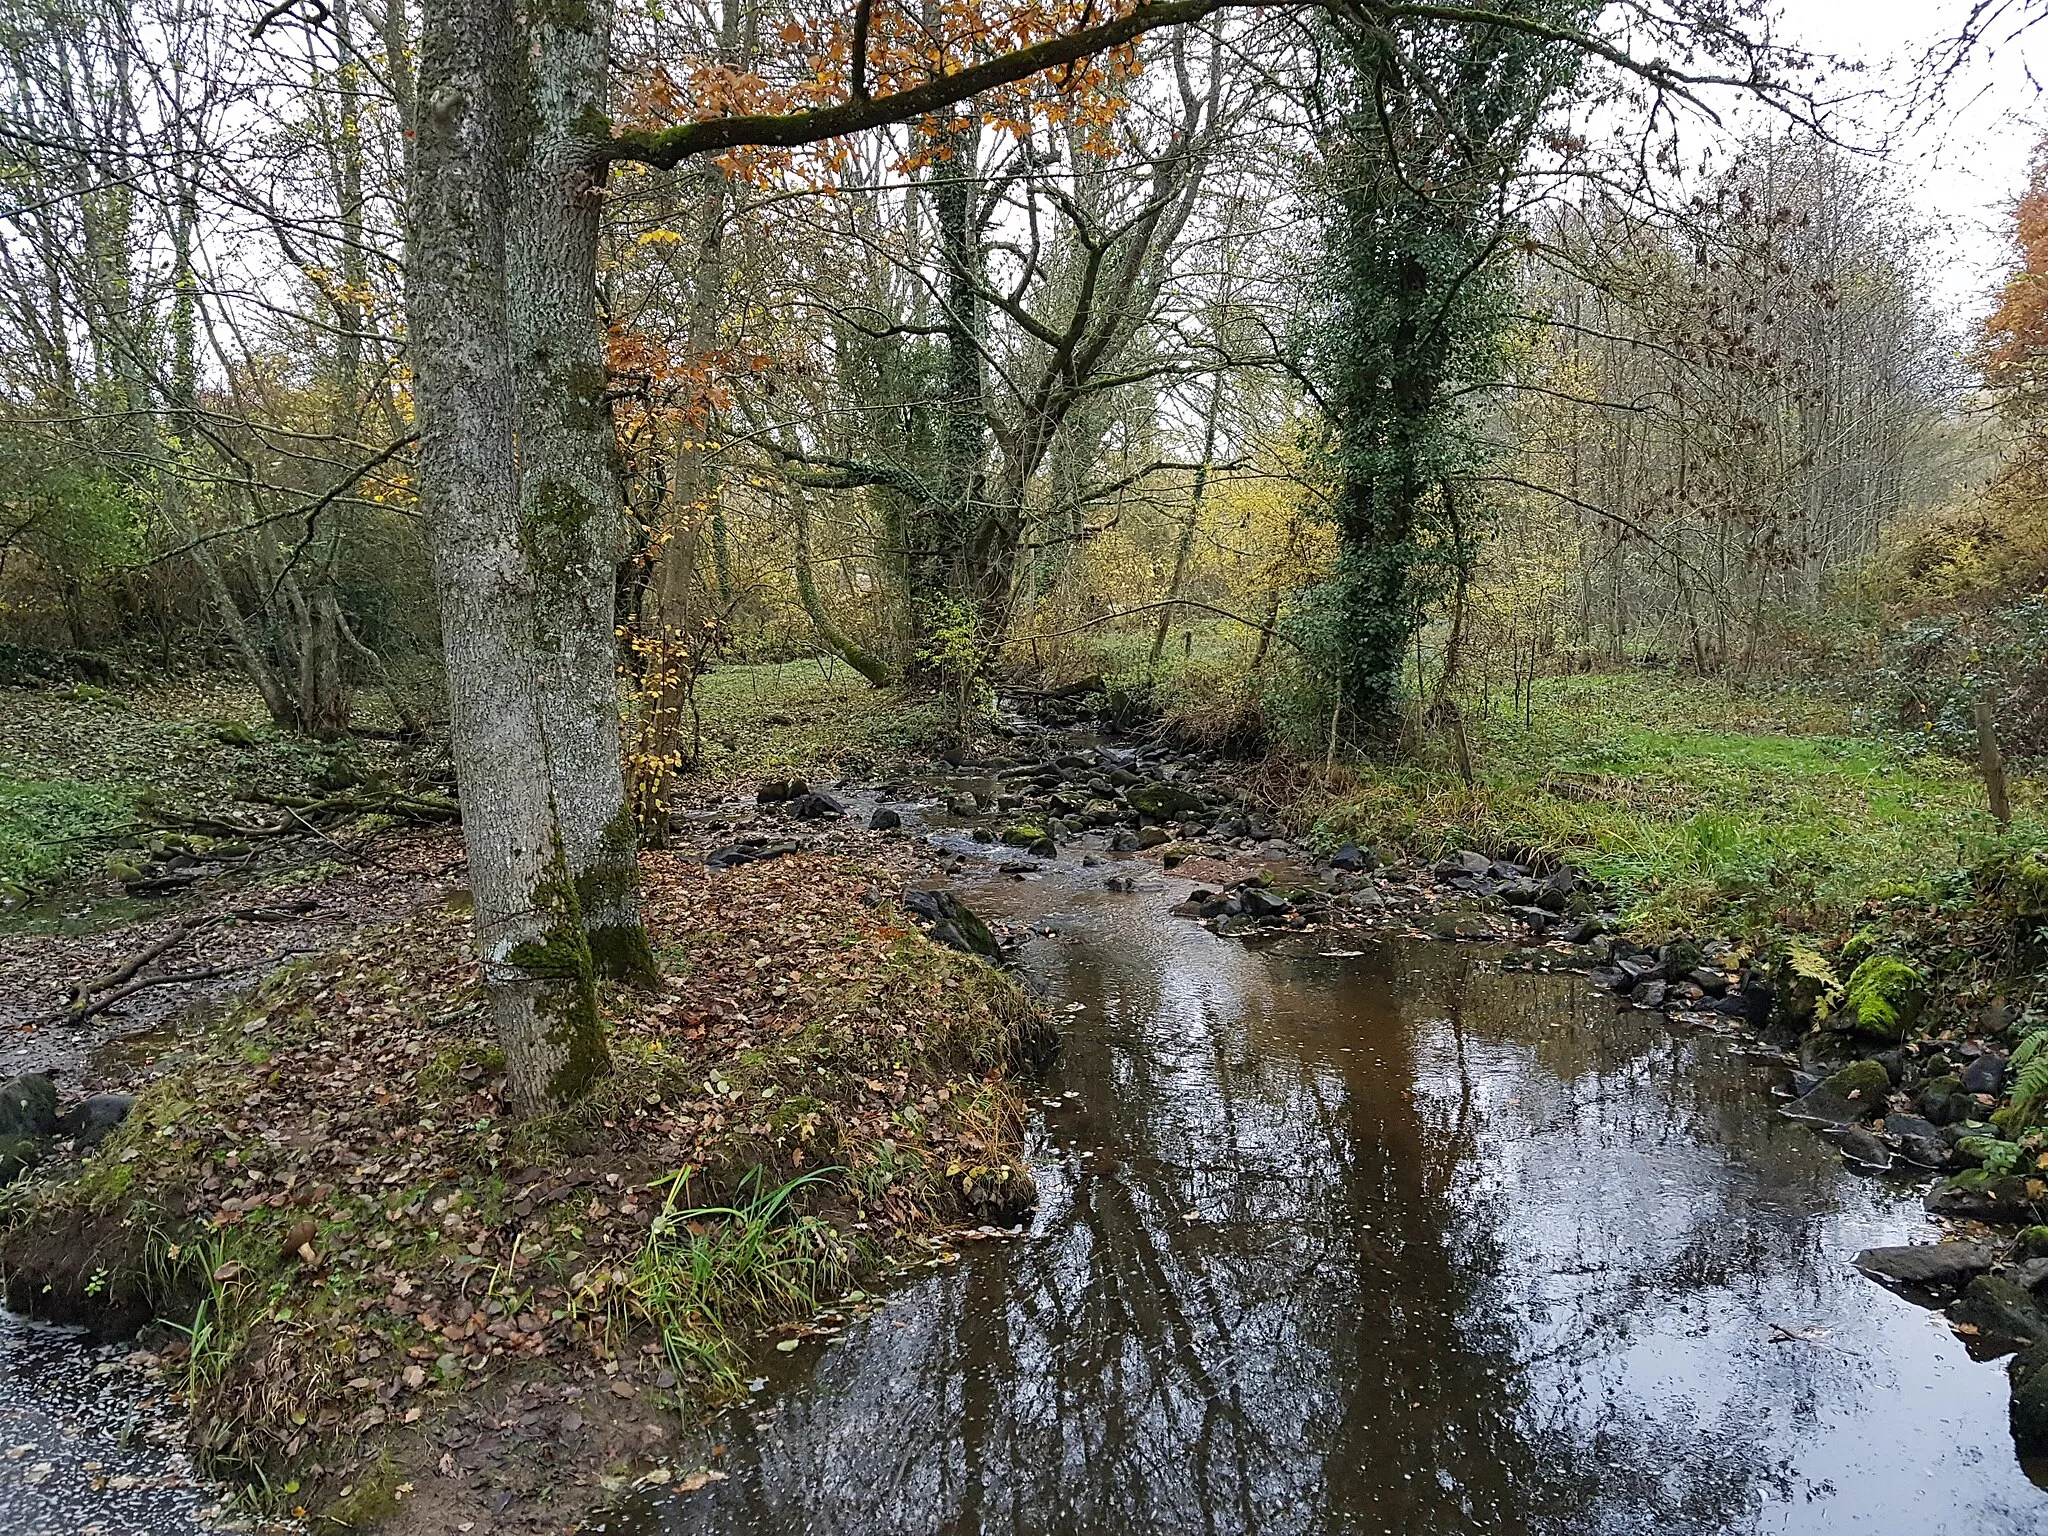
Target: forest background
(1684, 528)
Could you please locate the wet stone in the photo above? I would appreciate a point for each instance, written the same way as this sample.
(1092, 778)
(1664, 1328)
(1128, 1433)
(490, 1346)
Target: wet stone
(2003, 1313)
(28, 1106)
(1929, 1266)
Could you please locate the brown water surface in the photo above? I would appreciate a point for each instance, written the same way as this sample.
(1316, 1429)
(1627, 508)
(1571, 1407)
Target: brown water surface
(1385, 1242)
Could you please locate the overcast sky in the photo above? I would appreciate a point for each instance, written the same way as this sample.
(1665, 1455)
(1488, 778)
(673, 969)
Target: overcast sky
(1965, 163)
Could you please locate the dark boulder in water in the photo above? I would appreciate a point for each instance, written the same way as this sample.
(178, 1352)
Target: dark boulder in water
(949, 920)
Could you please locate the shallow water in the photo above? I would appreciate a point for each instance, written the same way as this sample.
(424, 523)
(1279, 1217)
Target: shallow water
(84, 1448)
(1387, 1242)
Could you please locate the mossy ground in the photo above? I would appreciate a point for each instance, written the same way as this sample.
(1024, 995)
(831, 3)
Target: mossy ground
(325, 1190)
(81, 767)
(806, 717)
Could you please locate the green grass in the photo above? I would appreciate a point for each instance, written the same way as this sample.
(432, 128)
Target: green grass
(49, 827)
(805, 717)
(1699, 805)
(709, 1276)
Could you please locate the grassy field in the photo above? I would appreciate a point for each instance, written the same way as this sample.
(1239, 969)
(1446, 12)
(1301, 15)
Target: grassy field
(806, 717)
(1700, 805)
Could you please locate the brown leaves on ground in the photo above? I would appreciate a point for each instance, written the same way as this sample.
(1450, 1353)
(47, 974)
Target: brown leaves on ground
(334, 1167)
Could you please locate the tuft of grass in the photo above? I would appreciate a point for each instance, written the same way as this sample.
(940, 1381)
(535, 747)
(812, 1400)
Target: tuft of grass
(709, 1276)
(1698, 805)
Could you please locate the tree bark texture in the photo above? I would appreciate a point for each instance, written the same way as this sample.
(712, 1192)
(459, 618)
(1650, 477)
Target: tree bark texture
(511, 558)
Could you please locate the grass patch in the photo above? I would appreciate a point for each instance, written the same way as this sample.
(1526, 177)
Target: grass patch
(799, 718)
(1701, 806)
(50, 827)
(80, 769)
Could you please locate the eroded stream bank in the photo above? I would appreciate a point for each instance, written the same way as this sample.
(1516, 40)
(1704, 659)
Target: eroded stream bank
(1383, 1241)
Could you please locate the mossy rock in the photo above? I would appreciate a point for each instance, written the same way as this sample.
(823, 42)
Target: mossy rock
(1858, 1092)
(1023, 835)
(1805, 986)
(1884, 997)
(28, 1106)
(2035, 1241)
(1163, 802)
(2017, 885)
(2002, 1312)
(2029, 1407)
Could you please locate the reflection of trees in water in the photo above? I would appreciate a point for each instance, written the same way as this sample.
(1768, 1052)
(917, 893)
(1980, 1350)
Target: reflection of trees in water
(1718, 1219)
(1339, 1342)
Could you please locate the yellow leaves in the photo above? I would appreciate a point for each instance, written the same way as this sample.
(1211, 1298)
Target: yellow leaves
(659, 237)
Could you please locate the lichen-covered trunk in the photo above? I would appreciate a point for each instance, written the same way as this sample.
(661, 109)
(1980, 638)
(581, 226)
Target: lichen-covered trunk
(537, 961)
(569, 489)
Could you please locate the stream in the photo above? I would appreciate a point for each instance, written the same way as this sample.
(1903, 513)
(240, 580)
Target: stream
(1336, 1234)
(1382, 1238)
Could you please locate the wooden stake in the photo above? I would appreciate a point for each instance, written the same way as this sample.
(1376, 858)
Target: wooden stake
(1993, 763)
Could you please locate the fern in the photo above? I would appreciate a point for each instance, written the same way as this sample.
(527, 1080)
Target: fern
(2028, 1048)
(2032, 1084)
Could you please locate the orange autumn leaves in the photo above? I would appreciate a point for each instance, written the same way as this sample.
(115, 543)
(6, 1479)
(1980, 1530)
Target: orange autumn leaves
(808, 62)
(2016, 334)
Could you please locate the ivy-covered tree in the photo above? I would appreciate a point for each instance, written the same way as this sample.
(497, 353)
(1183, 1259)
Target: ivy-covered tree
(1425, 128)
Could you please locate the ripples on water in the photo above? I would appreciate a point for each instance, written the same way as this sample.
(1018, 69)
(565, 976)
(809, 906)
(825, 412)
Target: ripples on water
(1386, 1243)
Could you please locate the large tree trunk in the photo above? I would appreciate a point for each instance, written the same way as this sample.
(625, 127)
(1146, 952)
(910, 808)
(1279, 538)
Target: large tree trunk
(503, 646)
(569, 504)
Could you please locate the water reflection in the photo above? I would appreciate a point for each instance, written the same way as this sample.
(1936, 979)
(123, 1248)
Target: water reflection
(1388, 1243)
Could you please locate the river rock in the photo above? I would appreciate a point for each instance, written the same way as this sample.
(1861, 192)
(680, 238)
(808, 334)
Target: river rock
(815, 806)
(1919, 1140)
(2029, 1408)
(1465, 865)
(1985, 1075)
(1936, 1099)
(2003, 1313)
(1123, 841)
(1261, 903)
(1928, 1266)
(774, 791)
(1857, 1092)
(1163, 801)
(1353, 860)
(946, 918)
(92, 1121)
(884, 820)
(1863, 1151)
(749, 851)
(28, 1106)
(1153, 837)
(1980, 1198)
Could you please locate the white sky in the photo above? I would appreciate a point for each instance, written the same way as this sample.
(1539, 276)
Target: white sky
(1963, 161)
